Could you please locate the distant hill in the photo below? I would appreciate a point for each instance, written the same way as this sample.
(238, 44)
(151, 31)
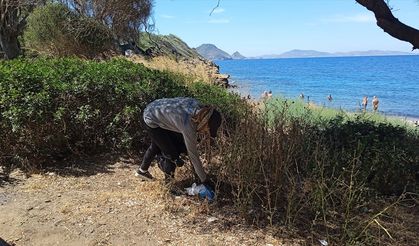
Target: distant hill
(212, 52)
(315, 53)
(302, 53)
(236, 55)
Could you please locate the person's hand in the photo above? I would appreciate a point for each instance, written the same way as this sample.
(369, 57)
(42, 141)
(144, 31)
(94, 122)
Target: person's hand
(209, 184)
(209, 191)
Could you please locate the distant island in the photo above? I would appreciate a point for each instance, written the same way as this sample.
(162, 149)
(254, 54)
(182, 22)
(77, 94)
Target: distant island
(237, 55)
(212, 52)
(314, 53)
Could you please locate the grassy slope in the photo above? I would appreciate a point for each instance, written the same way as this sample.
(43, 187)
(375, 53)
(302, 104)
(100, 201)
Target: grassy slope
(169, 45)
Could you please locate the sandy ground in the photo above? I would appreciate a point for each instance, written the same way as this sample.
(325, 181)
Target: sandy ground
(105, 204)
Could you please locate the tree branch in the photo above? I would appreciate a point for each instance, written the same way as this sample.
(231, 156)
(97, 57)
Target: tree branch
(390, 24)
(218, 5)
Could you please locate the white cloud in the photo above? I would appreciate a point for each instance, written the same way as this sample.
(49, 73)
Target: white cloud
(218, 10)
(219, 21)
(167, 16)
(358, 18)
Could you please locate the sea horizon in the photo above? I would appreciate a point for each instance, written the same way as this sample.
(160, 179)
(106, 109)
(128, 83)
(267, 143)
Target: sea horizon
(305, 57)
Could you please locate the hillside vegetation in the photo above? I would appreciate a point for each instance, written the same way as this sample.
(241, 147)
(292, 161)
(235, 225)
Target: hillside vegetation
(168, 45)
(170, 53)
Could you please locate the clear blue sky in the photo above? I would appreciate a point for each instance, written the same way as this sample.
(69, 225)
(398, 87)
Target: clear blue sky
(258, 27)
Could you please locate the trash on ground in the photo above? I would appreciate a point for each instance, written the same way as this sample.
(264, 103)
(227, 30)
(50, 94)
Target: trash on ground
(201, 190)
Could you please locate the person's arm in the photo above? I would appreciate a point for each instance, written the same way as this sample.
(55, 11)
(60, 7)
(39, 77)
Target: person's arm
(191, 143)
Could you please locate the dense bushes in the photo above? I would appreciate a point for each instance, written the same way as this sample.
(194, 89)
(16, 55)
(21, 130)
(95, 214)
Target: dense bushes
(52, 107)
(386, 155)
(318, 175)
(55, 30)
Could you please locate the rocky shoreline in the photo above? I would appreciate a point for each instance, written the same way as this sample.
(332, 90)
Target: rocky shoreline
(196, 67)
(214, 74)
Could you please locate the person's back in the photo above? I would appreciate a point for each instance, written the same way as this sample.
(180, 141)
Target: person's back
(173, 125)
(365, 103)
(171, 113)
(375, 102)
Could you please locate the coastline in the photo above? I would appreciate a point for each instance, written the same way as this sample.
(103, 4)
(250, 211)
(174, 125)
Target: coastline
(347, 80)
(411, 120)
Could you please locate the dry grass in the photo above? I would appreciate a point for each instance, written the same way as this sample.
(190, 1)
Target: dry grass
(115, 208)
(281, 173)
(194, 69)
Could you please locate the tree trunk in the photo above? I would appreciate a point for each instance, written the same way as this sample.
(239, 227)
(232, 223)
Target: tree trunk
(10, 45)
(391, 24)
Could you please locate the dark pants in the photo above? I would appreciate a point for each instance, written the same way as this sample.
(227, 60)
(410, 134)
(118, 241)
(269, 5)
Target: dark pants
(166, 143)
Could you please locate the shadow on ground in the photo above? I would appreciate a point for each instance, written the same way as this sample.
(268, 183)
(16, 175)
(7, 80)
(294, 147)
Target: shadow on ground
(90, 165)
(6, 180)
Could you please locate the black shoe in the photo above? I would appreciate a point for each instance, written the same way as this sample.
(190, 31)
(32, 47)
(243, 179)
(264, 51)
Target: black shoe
(144, 175)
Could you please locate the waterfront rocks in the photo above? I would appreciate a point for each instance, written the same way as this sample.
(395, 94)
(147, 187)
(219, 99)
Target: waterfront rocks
(222, 80)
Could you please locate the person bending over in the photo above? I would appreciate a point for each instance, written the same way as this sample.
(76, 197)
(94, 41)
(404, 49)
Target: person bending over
(173, 124)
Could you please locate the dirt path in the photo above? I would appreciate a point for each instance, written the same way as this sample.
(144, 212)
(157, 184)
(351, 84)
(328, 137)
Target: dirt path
(109, 206)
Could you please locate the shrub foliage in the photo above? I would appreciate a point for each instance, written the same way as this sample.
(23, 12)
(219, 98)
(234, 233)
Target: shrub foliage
(52, 108)
(283, 168)
(55, 30)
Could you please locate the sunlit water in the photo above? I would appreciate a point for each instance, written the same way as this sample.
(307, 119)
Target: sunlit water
(393, 79)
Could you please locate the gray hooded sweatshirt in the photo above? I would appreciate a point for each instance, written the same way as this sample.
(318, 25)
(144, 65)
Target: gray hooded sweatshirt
(174, 114)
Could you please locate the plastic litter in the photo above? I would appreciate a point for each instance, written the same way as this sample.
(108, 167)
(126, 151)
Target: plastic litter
(323, 242)
(212, 219)
(201, 190)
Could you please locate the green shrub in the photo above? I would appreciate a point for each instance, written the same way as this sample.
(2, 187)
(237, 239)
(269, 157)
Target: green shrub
(54, 107)
(55, 30)
(230, 104)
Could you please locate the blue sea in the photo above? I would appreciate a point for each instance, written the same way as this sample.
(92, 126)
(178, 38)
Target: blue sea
(393, 79)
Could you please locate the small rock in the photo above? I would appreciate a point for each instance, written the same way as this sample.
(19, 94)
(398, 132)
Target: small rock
(47, 201)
